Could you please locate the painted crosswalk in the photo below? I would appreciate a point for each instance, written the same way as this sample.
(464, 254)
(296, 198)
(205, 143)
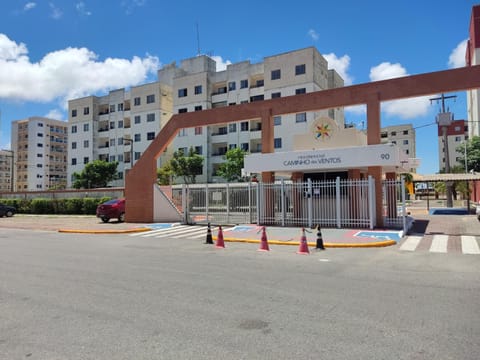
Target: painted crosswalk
(442, 244)
(178, 232)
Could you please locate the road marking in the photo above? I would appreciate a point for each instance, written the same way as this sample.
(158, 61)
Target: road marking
(411, 243)
(470, 245)
(439, 244)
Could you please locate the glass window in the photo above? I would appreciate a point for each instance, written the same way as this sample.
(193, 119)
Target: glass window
(244, 84)
(85, 143)
(182, 110)
(198, 130)
(301, 117)
(86, 110)
(120, 107)
(232, 85)
(151, 135)
(198, 108)
(85, 127)
(136, 101)
(74, 145)
(300, 91)
(277, 120)
(150, 99)
(244, 146)
(232, 128)
(199, 150)
(276, 95)
(244, 126)
(74, 161)
(198, 89)
(85, 160)
(182, 92)
(112, 108)
(276, 74)
(300, 69)
(74, 112)
(151, 117)
(74, 129)
(277, 143)
(137, 119)
(120, 124)
(405, 142)
(138, 137)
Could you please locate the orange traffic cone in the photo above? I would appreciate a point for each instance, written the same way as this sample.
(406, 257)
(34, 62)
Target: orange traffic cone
(220, 243)
(303, 248)
(264, 241)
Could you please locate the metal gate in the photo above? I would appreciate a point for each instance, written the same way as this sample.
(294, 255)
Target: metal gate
(337, 203)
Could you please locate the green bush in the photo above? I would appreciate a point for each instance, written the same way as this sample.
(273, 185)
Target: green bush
(72, 206)
(42, 206)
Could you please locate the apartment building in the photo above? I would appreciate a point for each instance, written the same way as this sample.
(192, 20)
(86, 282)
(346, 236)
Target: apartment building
(116, 127)
(6, 170)
(403, 136)
(39, 149)
(472, 57)
(457, 135)
(197, 85)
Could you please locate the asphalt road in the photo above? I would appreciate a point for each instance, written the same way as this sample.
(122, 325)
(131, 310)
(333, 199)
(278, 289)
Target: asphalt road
(81, 296)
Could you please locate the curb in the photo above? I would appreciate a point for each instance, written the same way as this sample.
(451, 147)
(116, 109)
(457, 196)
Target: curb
(311, 244)
(126, 231)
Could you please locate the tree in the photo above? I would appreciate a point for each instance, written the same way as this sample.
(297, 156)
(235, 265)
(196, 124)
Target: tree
(187, 166)
(231, 169)
(165, 174)
(95, 174)
(473, 153)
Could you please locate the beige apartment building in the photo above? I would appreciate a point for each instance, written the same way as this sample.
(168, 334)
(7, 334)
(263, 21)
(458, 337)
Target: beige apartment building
(116, 127)
(6, 170)
(39, 149)
(404, 137)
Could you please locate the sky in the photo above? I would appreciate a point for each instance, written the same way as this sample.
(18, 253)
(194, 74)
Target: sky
(53, 51)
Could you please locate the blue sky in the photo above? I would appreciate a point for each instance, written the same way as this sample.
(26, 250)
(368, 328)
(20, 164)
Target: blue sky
(52, 51)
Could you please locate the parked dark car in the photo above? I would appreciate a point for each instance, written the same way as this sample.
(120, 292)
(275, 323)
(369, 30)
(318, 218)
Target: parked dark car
(6, 210)
(112, 209)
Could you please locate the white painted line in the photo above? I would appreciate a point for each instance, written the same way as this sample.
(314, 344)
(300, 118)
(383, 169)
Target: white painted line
(439, 244)
(189, 231)
(470, 245)
(411, 243)
(161, 232)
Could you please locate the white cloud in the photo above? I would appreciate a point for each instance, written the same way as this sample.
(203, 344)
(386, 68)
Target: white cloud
(313, 34)
(66, 74)
(130, 5)
(221, 64)
(54, 114)
(457, 56)
(82, 9)
(404, 108)
(340, 65)
(56, 12)
(29, 6)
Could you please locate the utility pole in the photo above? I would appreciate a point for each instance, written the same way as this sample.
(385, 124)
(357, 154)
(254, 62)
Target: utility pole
(444, 120)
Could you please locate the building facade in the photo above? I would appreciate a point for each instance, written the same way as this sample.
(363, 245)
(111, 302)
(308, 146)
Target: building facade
(404, 137)
(197, 86)
(39, 149)
(116, 127)
(457, 134)
(6, 171)
(472, 57)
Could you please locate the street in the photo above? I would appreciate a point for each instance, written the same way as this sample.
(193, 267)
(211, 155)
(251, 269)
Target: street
(83, 296)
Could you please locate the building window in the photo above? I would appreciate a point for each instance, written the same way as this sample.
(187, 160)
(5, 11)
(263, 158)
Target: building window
(301, 117)
(85, 127)
(137, 137)
(120, 158)
(112, 124)
(150, 99)
(39, 145)
(277, 143)
(393, 133)
(276, 95)
(276, 74)
(112, 108)
(182, 110)
(137, 155)
(405, 132)
(112, 142)
(120, 107)
(39, 155)
(182, 92)
(300, 69)
(198, 108)
(232, 128)
(232, 85)
(405, 142)
(182, 132)
(244, 126)
(85, 144)
(198, 89)
(120, 124)
(74, 113)
(74, 145)
(151, 135)
(199, 150)
(232, 146)
(244, 84)
(85, 160)
(137, 119)
(198, 130)
(151, 117)
(86, 110)
(74, 129)
(458, 138)
(111, 158)
(136, 101)
(277, 120)
(300, 91)
(244, 146)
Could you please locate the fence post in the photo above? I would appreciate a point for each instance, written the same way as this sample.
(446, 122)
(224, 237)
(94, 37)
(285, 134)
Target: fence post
(185, 203)
(206, 202)
(371, 201)
(228, 202)
(338, 203)
(259, 204)
(310, 202)
(250, 202)
(283, 201)
(404, 215)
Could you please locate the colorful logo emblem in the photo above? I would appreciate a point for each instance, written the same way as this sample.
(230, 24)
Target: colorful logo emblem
(323, 131)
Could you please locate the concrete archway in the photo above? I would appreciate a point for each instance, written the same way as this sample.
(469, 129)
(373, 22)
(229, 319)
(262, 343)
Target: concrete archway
(140, 180)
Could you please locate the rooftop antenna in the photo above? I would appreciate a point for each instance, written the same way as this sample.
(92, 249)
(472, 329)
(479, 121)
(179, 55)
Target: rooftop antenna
(198, 41)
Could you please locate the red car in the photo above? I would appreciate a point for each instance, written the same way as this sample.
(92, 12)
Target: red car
(112, 209)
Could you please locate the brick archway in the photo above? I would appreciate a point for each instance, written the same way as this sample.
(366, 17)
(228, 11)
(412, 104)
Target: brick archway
(140, 180)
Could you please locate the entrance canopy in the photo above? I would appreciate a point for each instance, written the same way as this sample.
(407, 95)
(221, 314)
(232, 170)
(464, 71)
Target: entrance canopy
(388, 156)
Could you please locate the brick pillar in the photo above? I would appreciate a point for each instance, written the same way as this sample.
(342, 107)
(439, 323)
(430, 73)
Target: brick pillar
(268, 177)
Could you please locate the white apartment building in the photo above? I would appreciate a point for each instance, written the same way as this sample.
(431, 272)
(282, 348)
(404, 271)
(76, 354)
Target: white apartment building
(472, 57)
(457, 135)
(6, 170)
(116, 127)
(196, 85)
(39, 149)
(403, 136)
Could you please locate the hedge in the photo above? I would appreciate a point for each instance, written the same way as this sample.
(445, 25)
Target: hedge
(71, 206)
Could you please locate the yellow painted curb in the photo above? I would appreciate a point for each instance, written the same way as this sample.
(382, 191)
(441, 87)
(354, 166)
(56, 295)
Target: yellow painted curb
(125, 231)
(310, 244)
